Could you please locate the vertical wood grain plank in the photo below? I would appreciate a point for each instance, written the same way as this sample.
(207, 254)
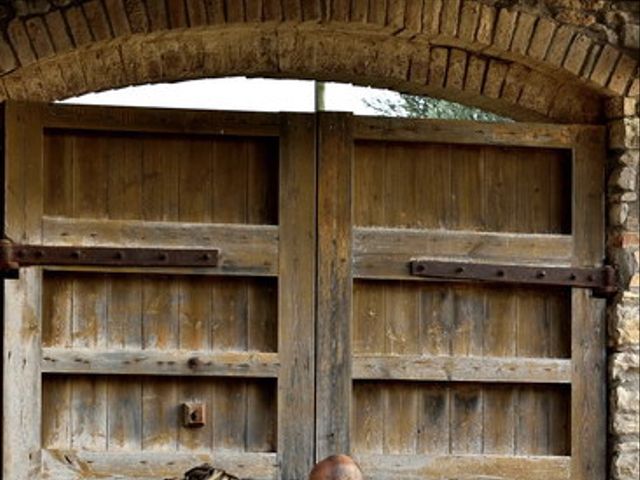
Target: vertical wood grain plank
(296, 299)
(466, 419)
(368, 189)
(368, 301)
(124, 158)
(432, 176)
(588, 386)
(532, 422)
(399, 186)
(334, 285)
(160, 297)
(159, 396)
(22, 389)
(402, 337)
(229, 323)
(501, 169)
(90, 307)
(434, 434)
(58, 167)
(195, 304)
(500, 341)
(262, 314)
(160, 173)
(467, 179)
(56, 325)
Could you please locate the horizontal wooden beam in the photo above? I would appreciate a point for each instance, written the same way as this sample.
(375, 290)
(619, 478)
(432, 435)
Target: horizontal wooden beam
(461, 369)
(73, 464)
(385, 253)
(160, 362)
(158, 120)
(244, 249)
(465, 467)
(468, 132)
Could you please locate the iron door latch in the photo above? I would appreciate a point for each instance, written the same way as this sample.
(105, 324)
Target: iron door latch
(13, 257)
(602, 281)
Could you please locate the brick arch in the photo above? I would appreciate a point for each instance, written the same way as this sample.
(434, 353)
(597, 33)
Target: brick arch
(499, 59)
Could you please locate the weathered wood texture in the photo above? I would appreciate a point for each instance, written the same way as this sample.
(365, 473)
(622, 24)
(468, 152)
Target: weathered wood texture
(22, 386)
(447, 377)
(333, 382)
(292, 358)
(118, 351)
(296, 297)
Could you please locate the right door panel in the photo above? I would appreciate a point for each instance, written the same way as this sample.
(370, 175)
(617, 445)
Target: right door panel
(467, 380)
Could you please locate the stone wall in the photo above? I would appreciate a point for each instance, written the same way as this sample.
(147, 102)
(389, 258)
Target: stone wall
(551, 60)
(624, 314)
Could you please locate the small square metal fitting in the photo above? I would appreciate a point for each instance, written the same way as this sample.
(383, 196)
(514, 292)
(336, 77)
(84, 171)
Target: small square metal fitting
(194, 414)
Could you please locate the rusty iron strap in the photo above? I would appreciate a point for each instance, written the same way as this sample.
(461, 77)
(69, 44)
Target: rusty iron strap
(601, 280)
(13, 257)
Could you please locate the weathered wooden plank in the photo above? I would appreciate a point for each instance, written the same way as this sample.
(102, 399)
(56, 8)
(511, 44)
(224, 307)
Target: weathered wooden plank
(160, 362)
(467, 132)
(296, 298)
(588, 388)
(244, 249)
(588, 197)
(22, 383)
(461, 369)
(334, 284)
(435, 467)
(70, 464)
(158, 120)
(386, 253)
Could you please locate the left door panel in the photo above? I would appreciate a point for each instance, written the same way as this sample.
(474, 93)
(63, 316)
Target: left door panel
(99, 362)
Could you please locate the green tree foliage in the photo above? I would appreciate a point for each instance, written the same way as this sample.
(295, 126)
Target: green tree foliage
(413, 106)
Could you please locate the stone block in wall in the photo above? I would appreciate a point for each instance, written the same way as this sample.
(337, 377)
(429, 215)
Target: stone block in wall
(625, 326)
(623, 178)
(624, 133)
(619, 107)
(625, 466)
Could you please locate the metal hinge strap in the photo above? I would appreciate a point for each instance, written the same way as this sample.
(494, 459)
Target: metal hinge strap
(14, 256)
(601, 280)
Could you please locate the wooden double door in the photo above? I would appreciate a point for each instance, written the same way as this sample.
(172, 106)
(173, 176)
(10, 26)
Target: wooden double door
(310, 336)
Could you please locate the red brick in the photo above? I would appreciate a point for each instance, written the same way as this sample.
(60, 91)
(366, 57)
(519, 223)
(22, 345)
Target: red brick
(486, 25)
(523, 33)
(157, 12)
(197, 12)
(605, 65)
(505, 28)
(475, 74)
(395, 12)
(137, 15)
(560, 44)
(623, 74)
(20, 41)
(419, 70)
(78, 26)
(39, 37)
(577, 54)
(290, 8)
(98, 21)
(449, 19)
(413, 15)
(117, 17)
(253, 10)
(431, 17)
(438, 66)
(8, 61)
(541, 39)
(272, 10)
(494, 80)
(514, 82)
(58, 29)
(457, 69)
(469, 20)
